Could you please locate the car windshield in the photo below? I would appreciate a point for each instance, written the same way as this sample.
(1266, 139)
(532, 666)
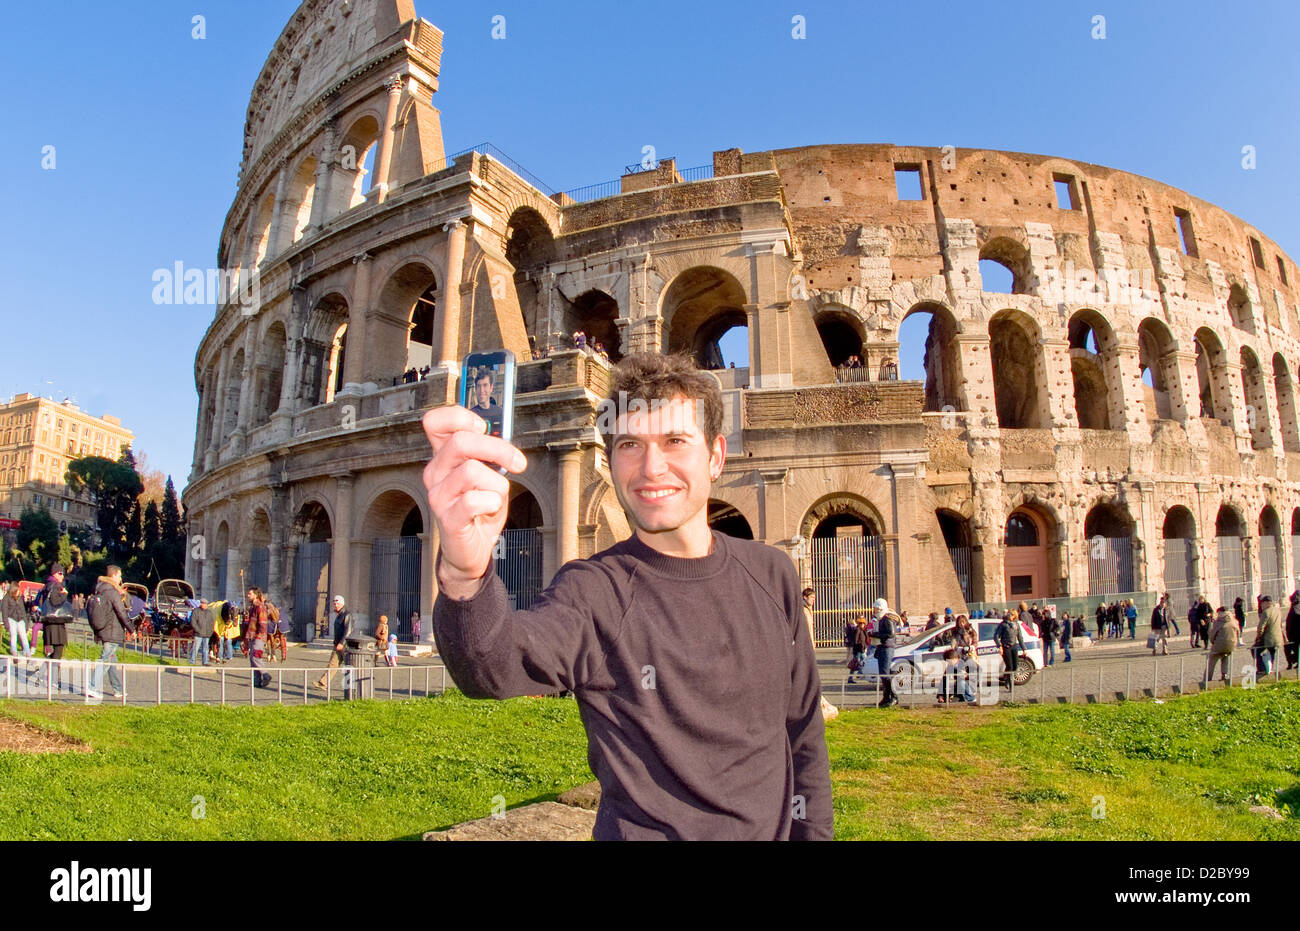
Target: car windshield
(918, 639)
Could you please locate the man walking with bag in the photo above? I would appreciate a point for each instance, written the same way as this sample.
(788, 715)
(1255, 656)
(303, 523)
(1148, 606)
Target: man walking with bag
(110, 621)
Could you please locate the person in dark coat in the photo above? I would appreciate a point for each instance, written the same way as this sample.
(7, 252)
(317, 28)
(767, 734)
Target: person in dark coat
(110, 620)
(57, 611)
(1292, 648)
(204, 623)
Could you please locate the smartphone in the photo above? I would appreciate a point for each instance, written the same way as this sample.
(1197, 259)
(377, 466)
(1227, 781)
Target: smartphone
(487, 388)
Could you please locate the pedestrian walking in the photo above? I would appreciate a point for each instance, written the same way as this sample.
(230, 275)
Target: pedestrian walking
(15, 615)
(1010, 642)
(390, 655)
(1131, 615)
(850, 641)
(861, 642)
(110, 620)
(1161, 617)
(342, 631)
(1067, 634)
(1048, 628)
(1291, 649)
(255, 637)
(415, 626)
(203, 624)
(1101, 621)
(381, 634)
(809, 602)
(887, 624)
(1268, 636)
(1223, 636)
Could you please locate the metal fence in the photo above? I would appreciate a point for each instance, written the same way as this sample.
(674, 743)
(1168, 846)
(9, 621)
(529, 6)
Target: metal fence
(1180, 577)
(1272, 574)
(311, 580)
(1110, 565)
(259, 568)
(395, 582)
(91, 682)
(1065, 683)
(847, 574)
(961, 561)
(1234, 573)
(520, 565)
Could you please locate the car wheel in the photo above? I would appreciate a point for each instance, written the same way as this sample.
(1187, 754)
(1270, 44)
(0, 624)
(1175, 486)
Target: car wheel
(1025, 670)
(905, 678)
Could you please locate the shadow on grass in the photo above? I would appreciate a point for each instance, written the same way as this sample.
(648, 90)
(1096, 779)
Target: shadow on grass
(548, 797)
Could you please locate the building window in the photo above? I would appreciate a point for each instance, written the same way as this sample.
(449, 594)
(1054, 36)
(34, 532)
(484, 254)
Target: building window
(1067, 197)
(1281, 270)
(907, 182)
(1185, 235)
(1022, 584)
(1257, 252)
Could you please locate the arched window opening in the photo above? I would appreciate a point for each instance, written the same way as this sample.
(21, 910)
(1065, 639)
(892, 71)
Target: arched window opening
(957, 539)
(843, 561)
(530, 248)
(927, 351)
(338, 355)
(1004, 267)
(270, 373)
(595, 314)
(1256, 395)
(1212, 377)
(1158, 364)
(311, 570)
(841, 336)
(1098, 404)
(700, 306)
(1017, 362)
(1239, 308)
(302, 194)
(234, 391)
(1284, 390)
(419, 345)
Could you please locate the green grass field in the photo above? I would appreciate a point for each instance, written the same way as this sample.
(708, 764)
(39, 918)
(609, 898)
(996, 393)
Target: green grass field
(1184, 769)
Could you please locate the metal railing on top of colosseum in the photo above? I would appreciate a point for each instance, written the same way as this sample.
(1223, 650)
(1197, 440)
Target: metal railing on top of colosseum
(488, 149)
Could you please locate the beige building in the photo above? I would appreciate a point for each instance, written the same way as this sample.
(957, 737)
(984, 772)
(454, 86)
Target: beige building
(1121, 417)
(39, 437)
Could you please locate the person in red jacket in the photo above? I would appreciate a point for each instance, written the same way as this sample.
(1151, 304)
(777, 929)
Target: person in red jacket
(256, 637)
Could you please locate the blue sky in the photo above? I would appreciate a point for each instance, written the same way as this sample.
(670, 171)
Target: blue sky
(147, 126)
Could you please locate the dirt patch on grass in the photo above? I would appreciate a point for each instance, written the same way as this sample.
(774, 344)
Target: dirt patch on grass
(19, 737)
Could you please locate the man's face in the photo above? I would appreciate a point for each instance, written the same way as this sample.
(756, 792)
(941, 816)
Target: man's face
(810, 599)
(662, 465)
(338, 604)
(484, 388)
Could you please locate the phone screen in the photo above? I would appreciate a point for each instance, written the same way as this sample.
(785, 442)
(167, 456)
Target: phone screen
(487, 388)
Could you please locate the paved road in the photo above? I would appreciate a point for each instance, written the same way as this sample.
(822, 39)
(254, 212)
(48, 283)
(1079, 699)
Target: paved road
(1107, 671)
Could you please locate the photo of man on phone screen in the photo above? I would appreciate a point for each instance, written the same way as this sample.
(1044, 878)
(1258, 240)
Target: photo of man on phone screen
(485, 405)
(686, 649)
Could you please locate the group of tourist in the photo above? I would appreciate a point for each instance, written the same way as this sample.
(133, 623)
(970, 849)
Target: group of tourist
(585, 344)
(412, 375)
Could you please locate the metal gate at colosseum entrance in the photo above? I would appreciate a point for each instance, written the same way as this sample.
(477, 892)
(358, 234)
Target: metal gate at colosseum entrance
(395, 582)
(1180, 579)
(847, 573)
(1110, 565)
(259, 569)
(520, 565)
(1234, 574)
(311, 582)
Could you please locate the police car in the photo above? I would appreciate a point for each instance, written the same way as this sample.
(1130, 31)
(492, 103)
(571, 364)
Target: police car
(918, 660)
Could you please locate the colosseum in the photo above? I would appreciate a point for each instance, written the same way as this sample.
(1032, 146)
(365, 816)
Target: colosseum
(1121, 419)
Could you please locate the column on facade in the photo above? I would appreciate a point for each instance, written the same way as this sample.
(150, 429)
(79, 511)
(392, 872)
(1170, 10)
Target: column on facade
(247, 389)
(768, 318)
(1053, 368)
(568, 489)
(1185, 397)
(428, 591)
(359, 585)
(341, 548)
(771, 502)
(275, 550)
(384, 156)
(274, 244)
(1126, 368)
(236, 577)
(325, 182)
(902, 481)
(219, 419)
(354, 363)
(447, 351)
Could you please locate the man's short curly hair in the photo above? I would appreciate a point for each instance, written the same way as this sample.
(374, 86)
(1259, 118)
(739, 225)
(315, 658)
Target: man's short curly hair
(653, 376)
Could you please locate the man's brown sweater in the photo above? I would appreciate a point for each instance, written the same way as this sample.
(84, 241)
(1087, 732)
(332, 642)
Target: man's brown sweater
(695, 678)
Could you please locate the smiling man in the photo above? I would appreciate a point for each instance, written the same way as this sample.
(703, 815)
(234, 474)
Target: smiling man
(686, 649)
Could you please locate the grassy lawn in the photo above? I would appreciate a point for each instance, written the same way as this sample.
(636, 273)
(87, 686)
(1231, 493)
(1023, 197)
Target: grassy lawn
(1183, 769)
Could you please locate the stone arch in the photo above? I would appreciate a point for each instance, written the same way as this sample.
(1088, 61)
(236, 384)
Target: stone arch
(1012, 256)
(1284, 392)
(1255, 393)
(960, 539)
(268, 375)
(1181, 558)
(258, 540)
(324, 348)
(259, 526)
(1019, 378)
(389, 514)
(234, 390)
(401, 329)
(939, 357)
(843, 337)
(300, 197)
(1240, 309)
(698, 307)
(1158, 369)
(358, 147)
(1234, 567)
(725, 517)
(525, 510)
(530, 249)
(311, 539)
(841, 503)
(221, 553)
(596, 314)
(1212, 377)
(260, 246)
(1094, 367)
(1272, 574)
(313, 522)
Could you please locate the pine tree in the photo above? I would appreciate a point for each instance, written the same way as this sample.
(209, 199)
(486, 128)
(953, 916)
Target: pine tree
(173, 530)
(152, 525)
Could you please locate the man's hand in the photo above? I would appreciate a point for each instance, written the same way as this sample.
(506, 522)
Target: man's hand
(468, 498)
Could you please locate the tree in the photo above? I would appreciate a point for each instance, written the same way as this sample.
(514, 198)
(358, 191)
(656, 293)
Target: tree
(153, 479)
(115, 486)
(38, 536)
(173, 527)
(133, 532)
(152, 525)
